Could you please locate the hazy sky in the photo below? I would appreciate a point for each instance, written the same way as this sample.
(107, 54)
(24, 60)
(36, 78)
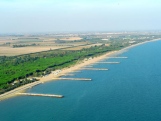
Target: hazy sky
(27, 16)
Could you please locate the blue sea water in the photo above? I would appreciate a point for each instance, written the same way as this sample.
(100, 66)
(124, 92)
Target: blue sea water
(129, 91)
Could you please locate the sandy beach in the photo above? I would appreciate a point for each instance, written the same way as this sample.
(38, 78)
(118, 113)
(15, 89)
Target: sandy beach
(76, 67)
(67, 70)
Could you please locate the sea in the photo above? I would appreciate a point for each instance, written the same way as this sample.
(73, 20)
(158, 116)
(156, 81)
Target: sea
(128, 91)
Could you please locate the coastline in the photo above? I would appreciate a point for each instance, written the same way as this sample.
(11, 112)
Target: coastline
(65, 71)
(76, 67)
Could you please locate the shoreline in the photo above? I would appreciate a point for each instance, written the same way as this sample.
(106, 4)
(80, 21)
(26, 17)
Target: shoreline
(67, 70)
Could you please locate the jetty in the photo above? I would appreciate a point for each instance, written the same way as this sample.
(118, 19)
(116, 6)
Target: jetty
(43, 95)
(89, 66)
(117, 57)
(75, 71)
(109, 62)
(12, 92)
(68, 74)
(80, 79)
(96, 69)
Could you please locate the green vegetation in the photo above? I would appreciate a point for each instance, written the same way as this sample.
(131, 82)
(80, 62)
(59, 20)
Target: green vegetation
(38, 64)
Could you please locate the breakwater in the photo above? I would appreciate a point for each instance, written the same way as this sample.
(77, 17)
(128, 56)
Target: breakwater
(42, 95)
(80, 79)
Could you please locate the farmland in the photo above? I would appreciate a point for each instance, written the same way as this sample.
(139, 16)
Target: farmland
(18, 46)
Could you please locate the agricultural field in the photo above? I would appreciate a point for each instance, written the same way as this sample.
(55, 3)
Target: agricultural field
(71, 38)
(25, 44)
(9, 51)
(13, 46)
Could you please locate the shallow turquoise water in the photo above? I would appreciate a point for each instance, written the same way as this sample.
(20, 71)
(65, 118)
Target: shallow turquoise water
(129, 91)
